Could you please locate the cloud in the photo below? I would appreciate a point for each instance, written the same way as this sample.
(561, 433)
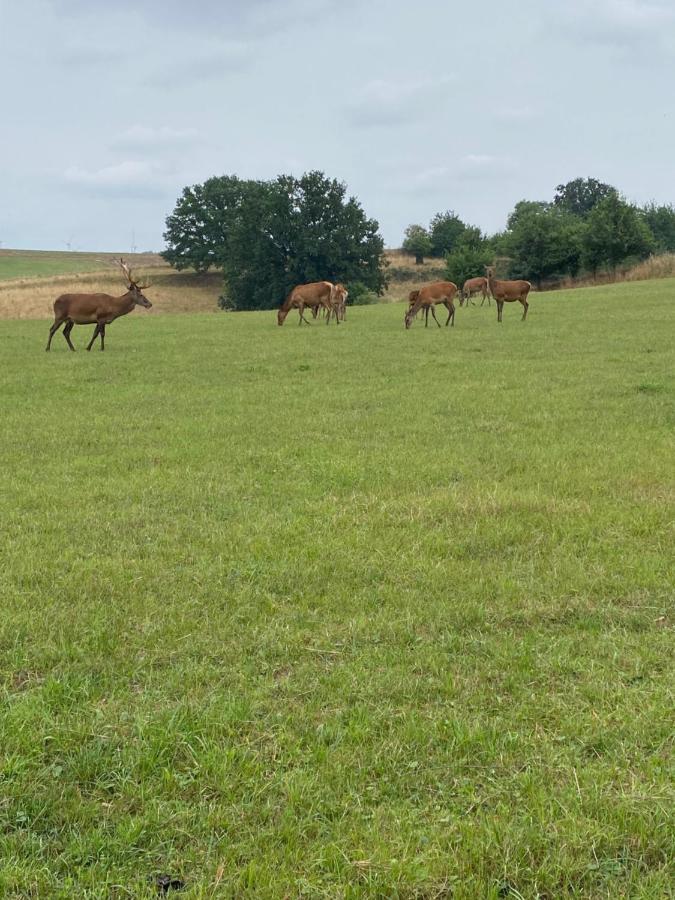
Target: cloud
(131, 177)
(208, 63)
(144, 137)
(386, 103)
(516, 113)
(472, 166)
(617, 23)
(257, 17)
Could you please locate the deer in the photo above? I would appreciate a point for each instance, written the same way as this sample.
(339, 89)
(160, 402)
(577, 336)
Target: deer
(339, 301)
(316, 294)
(430, 296)
(98, 309)
(475, 286)
(508, 292)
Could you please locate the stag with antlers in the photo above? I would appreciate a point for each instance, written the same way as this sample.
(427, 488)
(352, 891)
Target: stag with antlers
(96, 309)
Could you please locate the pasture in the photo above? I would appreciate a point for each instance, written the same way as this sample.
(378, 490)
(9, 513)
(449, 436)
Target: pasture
(341, 611)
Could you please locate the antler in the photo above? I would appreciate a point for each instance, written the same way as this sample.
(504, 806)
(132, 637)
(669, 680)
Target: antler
(126, 270)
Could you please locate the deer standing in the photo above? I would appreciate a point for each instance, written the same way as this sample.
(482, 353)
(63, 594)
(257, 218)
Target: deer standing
(475, 286)
(315, 295)
(98, 309)
(430, 296)
(339, 301)
(508, 292)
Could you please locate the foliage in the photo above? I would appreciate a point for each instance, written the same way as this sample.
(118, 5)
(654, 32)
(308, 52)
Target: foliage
(257, 635)
(267, 237)
(615, 233)
(417, 242)
(543, 241)
(661, 222)
(472, 253)
(580, 196)
(205, 215)
(445, 231)
(360, 294)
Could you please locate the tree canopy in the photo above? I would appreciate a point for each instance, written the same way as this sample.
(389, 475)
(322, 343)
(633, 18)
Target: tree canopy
(543, 241)
(471, 254)
(615, 233)
(581, 195)
(417, 242)
(445, 231)
(268, 236)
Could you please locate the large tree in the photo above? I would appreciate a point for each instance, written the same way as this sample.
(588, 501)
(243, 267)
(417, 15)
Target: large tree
(471, 254)
(543, 241)
(417, 242)
(615, 233)
(267, 237)
(445, 231)
(581, 195)
(661, 222)
(205, 214)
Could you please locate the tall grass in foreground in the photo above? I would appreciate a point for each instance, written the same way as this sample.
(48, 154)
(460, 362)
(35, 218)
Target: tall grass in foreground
(341, 612)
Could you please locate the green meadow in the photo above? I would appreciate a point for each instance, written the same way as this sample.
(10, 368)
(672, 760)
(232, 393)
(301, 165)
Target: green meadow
(341, 612)
(47, 263)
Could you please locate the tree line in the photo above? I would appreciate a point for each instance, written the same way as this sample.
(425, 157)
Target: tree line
(587, 227)
(268, 236)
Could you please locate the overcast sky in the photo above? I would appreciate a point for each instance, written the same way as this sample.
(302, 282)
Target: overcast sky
(109, 109)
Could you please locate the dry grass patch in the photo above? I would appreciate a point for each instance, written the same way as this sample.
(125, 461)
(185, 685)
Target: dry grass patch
(170, 291)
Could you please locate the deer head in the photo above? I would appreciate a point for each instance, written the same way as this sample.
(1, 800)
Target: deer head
(133, 287)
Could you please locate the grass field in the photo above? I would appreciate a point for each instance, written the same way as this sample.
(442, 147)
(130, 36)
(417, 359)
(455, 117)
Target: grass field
(46, 263)
(341, 612)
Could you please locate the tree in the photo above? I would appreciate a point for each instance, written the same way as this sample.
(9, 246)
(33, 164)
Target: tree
(615, 233)
(417, 242)
(445, 231)
(661, 222)
(471, 254)
(580, 196)
(197, 230)
(543, 241)
(268, 236)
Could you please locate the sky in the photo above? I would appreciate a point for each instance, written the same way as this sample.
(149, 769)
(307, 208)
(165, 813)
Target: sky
(110, 108)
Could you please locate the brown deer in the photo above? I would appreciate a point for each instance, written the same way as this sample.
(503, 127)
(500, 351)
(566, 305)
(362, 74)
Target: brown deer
(475, 286)
(339, 301)
(316, 294)
(430, 296)
(98, 309)
(508, 292)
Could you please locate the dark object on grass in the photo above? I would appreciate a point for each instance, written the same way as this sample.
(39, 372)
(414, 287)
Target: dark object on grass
(166, 883)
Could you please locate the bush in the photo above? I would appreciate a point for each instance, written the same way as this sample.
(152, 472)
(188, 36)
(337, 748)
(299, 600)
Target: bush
(360, 294)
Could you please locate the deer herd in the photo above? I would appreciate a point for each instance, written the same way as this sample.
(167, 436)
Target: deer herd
(318, 296)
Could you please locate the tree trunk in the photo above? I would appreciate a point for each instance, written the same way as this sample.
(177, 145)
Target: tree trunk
(419, 259)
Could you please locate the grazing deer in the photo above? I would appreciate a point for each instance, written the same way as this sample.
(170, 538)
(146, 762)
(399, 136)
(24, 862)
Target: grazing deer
(508, 292)
(475, 286)
(317, 294)
(339, 302)
(98, 309)
(430, 296)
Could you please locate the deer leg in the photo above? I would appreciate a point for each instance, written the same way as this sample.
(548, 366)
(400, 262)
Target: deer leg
(301, 310)
(101, 331)
(94, 336)
(500, 306)
(526, 306)
(433, 313)
(52, 331)
(66, 333)
(451, 314)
